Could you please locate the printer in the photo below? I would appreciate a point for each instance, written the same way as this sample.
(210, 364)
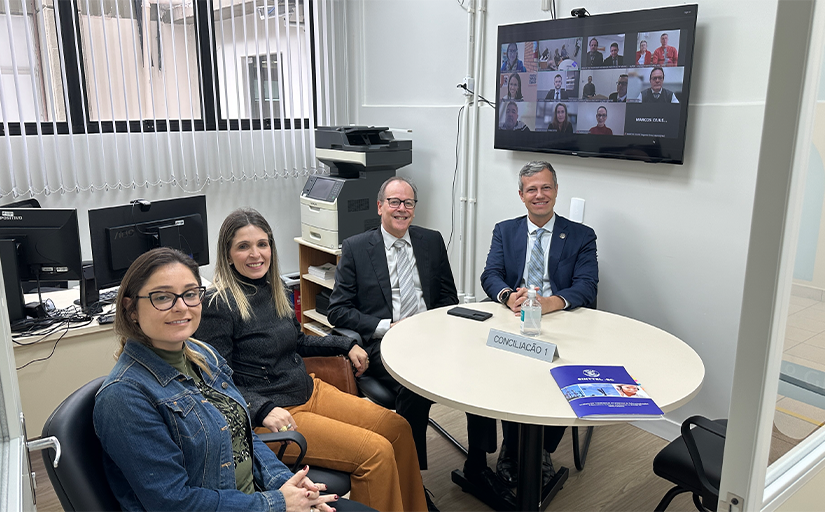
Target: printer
(343, 204)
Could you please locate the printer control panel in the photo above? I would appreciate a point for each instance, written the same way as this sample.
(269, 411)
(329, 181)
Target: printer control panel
(323, 188)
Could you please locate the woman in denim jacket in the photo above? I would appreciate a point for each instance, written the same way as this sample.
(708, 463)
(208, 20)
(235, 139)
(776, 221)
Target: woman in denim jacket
(174, 428)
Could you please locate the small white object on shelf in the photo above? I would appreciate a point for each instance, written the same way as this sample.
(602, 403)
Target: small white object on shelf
(325, 271)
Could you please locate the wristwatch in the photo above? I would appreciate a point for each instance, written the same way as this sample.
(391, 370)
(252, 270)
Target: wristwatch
(505, 296)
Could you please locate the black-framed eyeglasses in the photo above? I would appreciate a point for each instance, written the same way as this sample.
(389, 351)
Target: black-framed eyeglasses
(164, 301)
(394, 202)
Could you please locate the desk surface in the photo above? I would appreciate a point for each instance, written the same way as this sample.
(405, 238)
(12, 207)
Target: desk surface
(446, 359)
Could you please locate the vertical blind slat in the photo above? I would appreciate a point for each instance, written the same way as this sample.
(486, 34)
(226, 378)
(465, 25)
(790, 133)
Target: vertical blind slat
(306, 66)
(69, 118)
(260, 88)
(102, 164)
(135, 35)
(27, 29)
(189, 92)
(238, 85)
(51, 107)
(19, 96)
(300, 78)
(271, 130)
(210, 30)
(281, 104)
(225, 89)
(246, 82)
(176, 86)
(105, 45)
(131, 164)
(7, 138)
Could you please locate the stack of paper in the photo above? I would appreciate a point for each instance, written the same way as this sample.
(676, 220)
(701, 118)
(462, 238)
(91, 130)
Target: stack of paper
(325, 271)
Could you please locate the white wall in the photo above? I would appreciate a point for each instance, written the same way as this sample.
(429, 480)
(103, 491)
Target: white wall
(672, 239)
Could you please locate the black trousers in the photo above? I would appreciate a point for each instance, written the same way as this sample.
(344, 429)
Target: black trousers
(482, 434)
(552, 436)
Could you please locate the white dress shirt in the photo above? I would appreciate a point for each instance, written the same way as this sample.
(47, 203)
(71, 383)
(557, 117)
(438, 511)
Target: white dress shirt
(389, 241)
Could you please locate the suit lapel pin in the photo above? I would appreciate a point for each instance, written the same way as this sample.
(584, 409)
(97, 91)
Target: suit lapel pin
(562, 235)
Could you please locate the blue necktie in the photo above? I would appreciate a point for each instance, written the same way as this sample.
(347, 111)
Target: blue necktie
(535, 272)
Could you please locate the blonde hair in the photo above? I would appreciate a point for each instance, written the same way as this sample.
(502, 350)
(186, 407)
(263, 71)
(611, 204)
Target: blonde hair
(136, 277)
(226, 280)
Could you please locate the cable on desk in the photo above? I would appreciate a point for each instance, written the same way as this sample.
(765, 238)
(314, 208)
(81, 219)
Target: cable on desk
(72, 317)
(50, 354)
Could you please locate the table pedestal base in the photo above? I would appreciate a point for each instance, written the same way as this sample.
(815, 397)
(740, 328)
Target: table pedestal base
(496, 503)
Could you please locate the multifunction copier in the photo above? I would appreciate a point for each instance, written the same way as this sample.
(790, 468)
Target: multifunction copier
(343, 204)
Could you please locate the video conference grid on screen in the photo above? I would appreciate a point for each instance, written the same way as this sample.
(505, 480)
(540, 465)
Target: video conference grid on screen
(619, 77)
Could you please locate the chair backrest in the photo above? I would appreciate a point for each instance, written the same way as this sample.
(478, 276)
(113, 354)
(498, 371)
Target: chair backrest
(79, 480)
(335, 370)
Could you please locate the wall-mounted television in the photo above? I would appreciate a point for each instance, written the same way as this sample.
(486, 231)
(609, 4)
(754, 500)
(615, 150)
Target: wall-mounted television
(611, 85)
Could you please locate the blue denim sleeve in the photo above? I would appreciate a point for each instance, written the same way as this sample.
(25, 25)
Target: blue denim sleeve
(269, 472)
(150, 466)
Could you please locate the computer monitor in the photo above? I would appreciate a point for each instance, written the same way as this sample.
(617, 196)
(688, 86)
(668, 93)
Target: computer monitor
(40, 244)
(119, 234)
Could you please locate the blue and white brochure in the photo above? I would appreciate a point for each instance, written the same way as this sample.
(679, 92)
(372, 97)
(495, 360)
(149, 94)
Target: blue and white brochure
(604, 392)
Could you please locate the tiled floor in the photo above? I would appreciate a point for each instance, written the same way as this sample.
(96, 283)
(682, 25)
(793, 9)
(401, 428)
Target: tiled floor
(805, 346)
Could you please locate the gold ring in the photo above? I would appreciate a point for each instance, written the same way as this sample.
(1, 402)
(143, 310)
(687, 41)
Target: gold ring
(283, 429)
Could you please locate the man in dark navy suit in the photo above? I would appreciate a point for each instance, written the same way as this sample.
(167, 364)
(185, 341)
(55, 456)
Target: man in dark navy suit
(546, 251)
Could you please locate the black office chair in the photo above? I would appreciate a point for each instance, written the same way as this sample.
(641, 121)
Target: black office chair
(693, 462)
(77, 473)
(381, 395)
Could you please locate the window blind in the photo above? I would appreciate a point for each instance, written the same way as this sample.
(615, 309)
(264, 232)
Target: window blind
(103, 94)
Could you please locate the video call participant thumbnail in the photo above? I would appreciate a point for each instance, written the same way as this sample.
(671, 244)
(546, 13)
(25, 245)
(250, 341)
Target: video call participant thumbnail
(643, 56)
(561, 121)
(513, 88)
(594, 57)
(614, 59)
(512, 64)
(589, 89)
(665, 55)
(511, 119)
(656, 93)
(621, 89)
(558, 92)
(601, 118)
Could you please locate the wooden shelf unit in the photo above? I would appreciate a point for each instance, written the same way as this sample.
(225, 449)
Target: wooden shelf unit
(310, 254)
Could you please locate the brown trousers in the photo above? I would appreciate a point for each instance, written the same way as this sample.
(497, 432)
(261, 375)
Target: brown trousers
(375, 445)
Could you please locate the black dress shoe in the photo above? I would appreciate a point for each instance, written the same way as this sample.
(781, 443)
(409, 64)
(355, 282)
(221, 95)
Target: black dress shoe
(507, 467)
(487, 482)
(547, 471)
(430, 504)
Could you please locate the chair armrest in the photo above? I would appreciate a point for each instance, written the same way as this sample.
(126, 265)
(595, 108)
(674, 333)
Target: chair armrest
(693, 450)
(349, 333)
(290, 436)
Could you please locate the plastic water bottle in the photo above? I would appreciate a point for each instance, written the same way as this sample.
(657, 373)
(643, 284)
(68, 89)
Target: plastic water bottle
(531, 315)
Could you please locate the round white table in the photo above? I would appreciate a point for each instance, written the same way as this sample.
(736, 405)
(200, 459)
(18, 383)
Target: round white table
(446, 359)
